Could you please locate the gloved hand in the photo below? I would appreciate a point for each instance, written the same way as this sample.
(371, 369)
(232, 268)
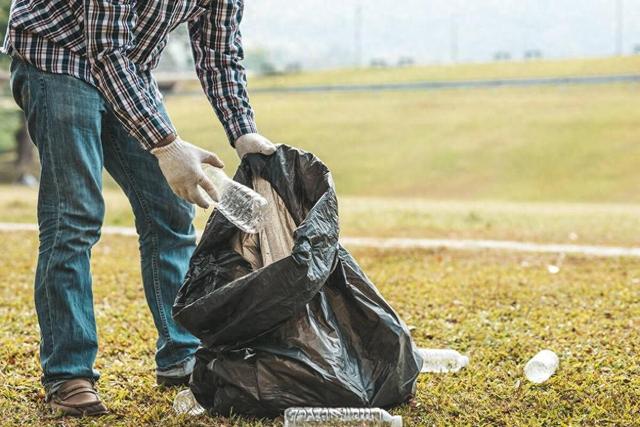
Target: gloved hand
(253, 143)
(181, 164)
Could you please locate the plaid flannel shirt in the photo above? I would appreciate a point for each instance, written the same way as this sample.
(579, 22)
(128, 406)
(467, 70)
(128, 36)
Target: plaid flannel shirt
(114, 45)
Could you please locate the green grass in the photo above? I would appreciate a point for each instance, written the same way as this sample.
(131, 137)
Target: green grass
(494, 70)
(575, 144)
(542, 164)
(607, 224)
(557, 144)
(499, 309)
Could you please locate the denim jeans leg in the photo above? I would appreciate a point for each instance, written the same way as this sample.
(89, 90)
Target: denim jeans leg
(64, 119)
(164, 223)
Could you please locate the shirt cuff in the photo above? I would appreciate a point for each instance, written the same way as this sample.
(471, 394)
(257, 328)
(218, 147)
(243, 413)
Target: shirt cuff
(238, 126)
(152, 130)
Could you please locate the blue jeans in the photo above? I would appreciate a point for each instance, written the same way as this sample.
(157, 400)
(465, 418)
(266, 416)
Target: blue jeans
(76, 135)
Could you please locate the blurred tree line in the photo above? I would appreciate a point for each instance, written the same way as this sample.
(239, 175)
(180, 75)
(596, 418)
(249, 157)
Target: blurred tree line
(14, 138)
(4, 18)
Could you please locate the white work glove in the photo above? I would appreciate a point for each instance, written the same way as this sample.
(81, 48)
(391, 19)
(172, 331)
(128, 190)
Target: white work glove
(181, 164)
(253, 143)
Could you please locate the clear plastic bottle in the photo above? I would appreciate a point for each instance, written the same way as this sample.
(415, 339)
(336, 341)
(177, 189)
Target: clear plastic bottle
(239, 204)
(442, 360)
(361, 417)
(186, 403)
(541, 366)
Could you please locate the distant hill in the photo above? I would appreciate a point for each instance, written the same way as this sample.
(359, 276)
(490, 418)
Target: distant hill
(493, 70)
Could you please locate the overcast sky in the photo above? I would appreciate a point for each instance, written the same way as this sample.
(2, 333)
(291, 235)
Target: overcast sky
(321, 33)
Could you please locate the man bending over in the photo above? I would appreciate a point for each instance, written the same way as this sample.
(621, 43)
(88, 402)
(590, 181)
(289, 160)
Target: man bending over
(81, 72)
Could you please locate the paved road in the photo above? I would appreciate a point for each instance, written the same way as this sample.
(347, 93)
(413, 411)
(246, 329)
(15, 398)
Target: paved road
(420, 85)
(404, 243)
(460, 84)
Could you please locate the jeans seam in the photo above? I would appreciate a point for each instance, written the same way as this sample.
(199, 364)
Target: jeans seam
(58, 213)
(154, 244)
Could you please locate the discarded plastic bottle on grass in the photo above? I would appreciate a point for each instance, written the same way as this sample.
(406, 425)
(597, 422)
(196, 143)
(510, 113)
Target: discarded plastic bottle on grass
(361, 417)
(442, 360)
(186, 403)
(239, 204)
(541, 366)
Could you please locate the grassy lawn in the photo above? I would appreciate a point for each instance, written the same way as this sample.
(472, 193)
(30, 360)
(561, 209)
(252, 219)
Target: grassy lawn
(541, 164)
(499, 309)
(569, 144)
(550, 144)
(546, 164)
(606, 224)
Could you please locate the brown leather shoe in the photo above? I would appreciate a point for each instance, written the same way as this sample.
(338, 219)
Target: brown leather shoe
(77, 398)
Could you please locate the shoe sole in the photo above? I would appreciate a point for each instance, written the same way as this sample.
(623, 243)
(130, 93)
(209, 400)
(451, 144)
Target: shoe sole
(93, 410)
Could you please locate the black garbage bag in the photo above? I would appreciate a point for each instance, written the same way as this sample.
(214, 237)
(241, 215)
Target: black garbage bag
(307, 330)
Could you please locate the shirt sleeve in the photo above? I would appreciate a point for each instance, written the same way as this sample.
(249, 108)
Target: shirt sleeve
(217, 50)
(108, 33)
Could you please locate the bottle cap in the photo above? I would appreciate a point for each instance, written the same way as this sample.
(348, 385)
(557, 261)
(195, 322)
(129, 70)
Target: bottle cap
(396, 421)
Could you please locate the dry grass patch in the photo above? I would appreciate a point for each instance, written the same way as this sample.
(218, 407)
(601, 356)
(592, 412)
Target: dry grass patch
(498, 308)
